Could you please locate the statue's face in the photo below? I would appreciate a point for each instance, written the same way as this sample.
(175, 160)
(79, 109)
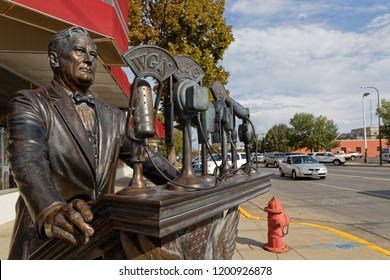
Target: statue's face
(77, 63)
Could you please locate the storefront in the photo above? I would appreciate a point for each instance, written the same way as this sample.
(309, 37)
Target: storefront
(25, 30)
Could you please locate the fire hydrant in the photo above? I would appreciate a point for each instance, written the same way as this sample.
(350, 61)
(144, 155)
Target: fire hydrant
(277, 221)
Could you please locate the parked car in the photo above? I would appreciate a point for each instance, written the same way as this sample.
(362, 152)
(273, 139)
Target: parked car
(326, 157)
(196, 159)
(348, 156)
(215, 160)
(386, 154)
(257, 157)
(293, 153)
(302, 166)
(240, 158)
(273, 159)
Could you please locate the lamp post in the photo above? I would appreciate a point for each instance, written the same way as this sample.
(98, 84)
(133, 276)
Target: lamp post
(364, 127)
(379, 125)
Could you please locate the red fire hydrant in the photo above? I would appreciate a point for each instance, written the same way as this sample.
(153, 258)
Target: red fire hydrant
(277, 221)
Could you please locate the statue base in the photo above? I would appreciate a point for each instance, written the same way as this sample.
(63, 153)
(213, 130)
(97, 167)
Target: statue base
(164, 223)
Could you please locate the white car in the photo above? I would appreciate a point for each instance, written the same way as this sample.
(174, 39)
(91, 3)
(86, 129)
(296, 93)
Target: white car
(215, 160)
(326, 157)
(386, 154)
(302, 166)
(257, 157)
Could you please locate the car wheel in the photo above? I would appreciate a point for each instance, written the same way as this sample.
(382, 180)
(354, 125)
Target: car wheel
(294, 175)
(352, 157)
(281, 172)
(336, 162)
(322, 177)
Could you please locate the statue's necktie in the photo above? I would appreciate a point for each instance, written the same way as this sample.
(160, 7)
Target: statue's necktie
(85, 107)
(78, 99)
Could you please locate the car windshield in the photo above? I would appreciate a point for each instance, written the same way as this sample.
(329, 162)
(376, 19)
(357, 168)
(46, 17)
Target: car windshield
(279, 155)
(216, 158)
(303, 160)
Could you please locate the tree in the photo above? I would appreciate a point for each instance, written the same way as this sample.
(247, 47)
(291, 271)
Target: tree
(258, 145)
(302, 130)
(384, 113)
(177, 152)
(324, 134)
(196, 29)
(277, 139)
(313, 133)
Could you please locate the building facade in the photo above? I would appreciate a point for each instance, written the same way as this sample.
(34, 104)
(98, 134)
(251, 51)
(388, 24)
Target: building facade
(354, 141)
(26, 27)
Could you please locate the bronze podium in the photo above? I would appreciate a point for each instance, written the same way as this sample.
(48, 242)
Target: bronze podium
(164, 224)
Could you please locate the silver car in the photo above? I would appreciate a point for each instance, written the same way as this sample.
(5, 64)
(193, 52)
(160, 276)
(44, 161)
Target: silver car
(302, 166)
(273, 159)
(327, 157)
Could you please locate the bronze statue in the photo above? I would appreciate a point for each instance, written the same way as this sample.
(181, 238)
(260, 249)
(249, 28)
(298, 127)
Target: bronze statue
(64, 145)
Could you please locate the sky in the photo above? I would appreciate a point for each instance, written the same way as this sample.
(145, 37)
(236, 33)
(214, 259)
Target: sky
(309, 56)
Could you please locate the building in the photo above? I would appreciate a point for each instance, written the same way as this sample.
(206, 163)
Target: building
(372, 132)
(354, 141)
(26, 27)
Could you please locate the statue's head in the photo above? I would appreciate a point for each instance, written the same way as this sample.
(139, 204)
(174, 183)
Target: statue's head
(73, 58)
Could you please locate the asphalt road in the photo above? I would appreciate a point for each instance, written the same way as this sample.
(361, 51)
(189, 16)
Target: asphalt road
(354, 199)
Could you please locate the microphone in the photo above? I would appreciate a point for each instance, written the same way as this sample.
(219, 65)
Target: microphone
(219, 91)
(144, 116)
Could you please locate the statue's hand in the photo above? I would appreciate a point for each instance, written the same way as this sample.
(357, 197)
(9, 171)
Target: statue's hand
(71, 223)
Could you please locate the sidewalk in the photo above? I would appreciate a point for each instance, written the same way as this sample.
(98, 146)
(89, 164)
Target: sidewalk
(305, 241)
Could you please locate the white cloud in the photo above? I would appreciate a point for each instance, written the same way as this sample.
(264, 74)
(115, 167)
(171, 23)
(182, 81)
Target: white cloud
(282, 70)
(273, 7)
(382, 21)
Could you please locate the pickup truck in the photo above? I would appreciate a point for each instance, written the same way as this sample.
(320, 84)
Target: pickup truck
(348, 156)
(327, 157)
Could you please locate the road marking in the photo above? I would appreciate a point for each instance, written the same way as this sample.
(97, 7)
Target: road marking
(355, 176)
(338, 245)
(354, 190)
(362, 171)
(339, 232)
(248, 215)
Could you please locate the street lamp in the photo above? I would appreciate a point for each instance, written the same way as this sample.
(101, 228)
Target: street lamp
(364, 127)
(379, 124)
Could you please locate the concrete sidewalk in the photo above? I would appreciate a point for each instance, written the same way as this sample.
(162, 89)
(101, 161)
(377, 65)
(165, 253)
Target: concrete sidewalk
(305, 241)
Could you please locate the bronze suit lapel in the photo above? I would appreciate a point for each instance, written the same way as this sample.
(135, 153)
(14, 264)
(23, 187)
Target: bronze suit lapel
(69, 115)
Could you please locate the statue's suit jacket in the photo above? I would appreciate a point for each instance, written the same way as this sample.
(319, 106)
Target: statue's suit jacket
(53, 162)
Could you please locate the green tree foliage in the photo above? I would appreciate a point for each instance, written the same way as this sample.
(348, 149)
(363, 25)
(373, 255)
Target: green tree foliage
(313, 133)
(324, 134)
(178, 139)
(178, 147)
(302, 130)
(277, 139)
(259, 143)
(384, 113)
(196, 29)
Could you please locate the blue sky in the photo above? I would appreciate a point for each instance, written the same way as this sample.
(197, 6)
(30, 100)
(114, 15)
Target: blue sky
(302, 56)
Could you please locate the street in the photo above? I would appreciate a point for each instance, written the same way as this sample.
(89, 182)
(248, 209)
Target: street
(353, 198)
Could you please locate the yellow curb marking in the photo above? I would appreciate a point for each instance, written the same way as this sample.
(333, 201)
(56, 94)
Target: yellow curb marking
(246, 214)
(347, 235)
